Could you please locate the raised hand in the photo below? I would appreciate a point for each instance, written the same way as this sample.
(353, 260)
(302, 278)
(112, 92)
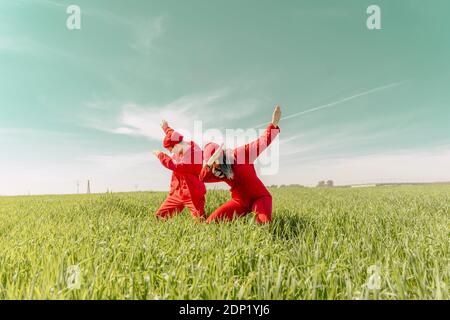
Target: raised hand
(164, 125)
(215, 156)
(156, 153)
(276, 116)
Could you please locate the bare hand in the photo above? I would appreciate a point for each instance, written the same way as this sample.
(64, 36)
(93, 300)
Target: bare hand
(164, 125)
(215, 156)
(156, 153)
(276, 116)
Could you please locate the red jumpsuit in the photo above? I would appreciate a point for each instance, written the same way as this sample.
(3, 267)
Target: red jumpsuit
(186, 190)
(247, 191)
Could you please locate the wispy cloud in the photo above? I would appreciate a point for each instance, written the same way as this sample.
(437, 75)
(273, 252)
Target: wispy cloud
(146, 33)
(27, 45)
(144, 121)
(406, 166)
(120, 172)
(33, 132)
(121, 161)
(142, 32)
(50, 3)
(139, 120)
(335, 103)
(19, 44)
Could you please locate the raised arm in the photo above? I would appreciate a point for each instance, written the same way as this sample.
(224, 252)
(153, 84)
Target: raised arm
(251, 151)
(168, 162)
(171, 137)
(207, 176)
(165, 127)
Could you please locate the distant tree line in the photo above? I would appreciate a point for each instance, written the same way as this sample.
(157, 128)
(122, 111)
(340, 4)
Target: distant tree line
(325, 184)
(321, 184)
(286, 186)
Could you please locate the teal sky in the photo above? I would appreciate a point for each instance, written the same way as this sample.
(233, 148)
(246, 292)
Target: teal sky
(85, 104)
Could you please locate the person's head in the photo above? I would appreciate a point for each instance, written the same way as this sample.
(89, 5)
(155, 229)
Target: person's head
(173, 142)
(221, 168)
(178, 148)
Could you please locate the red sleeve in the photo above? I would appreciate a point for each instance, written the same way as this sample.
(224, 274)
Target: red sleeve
(206, 175)
(250, 152)
(168, 130)
(167, 162)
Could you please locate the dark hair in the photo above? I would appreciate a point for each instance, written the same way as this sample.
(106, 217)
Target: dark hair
(225, 166)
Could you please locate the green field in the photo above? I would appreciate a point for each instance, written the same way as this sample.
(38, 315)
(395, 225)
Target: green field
(322, 244)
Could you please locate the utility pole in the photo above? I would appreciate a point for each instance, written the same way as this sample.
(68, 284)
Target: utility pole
(88, 187)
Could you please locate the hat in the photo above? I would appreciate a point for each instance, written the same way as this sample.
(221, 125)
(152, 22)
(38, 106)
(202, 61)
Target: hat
(209, 149)
(172, 138)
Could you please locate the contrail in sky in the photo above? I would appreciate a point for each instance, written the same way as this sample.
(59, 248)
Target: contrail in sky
(332, 104)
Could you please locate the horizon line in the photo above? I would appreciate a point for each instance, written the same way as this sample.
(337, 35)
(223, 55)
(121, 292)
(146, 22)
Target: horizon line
(444, 182)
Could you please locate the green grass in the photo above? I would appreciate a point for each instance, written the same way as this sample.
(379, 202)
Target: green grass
(320, 246)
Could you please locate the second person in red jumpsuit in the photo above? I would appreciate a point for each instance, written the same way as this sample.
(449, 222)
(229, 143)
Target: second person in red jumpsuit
(186, 189)
(235, 167)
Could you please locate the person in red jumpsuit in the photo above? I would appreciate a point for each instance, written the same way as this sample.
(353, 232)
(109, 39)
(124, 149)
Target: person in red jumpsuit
(186, 189)
(235, 167)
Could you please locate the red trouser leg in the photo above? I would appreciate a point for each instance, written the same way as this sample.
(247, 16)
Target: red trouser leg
(263, 209)
(197, 210)
(227, 211)
(170, 207)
